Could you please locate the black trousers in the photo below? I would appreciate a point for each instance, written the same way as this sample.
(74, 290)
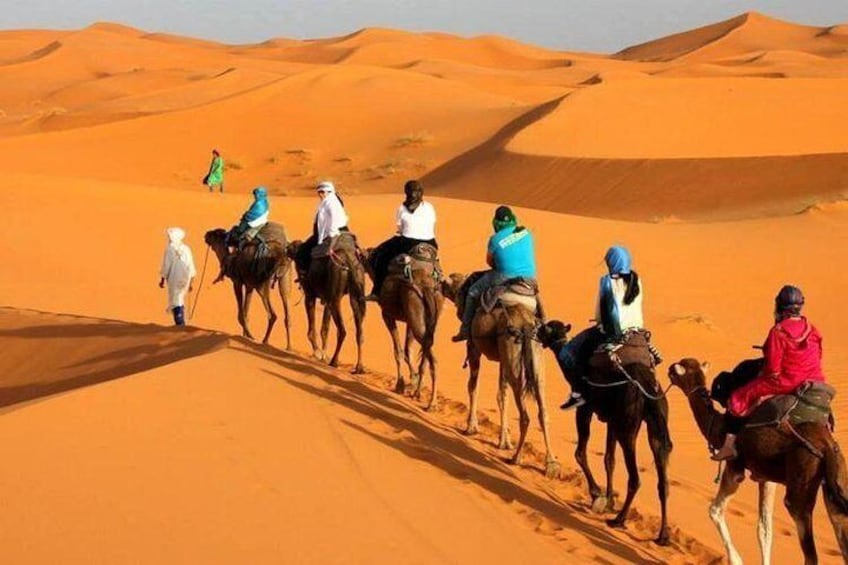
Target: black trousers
(303, 257)
(383, 254)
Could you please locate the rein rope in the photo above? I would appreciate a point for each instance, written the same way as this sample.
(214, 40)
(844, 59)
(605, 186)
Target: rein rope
(200, 287)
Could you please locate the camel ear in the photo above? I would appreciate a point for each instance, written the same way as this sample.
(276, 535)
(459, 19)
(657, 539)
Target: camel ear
(567, 328)
(705, 367)
(678, 369)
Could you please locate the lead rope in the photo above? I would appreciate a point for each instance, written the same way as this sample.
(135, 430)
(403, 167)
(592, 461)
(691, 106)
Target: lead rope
(199, 288)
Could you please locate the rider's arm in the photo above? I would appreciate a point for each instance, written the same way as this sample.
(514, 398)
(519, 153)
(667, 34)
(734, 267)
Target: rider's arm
(773, 354)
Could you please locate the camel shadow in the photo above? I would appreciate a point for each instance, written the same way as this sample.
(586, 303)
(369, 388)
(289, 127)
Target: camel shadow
(443, 447)
(46, 354)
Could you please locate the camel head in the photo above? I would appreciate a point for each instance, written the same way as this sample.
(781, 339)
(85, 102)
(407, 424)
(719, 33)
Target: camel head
(552, 332)
(689, 374)
(451, 286)
(217, 240)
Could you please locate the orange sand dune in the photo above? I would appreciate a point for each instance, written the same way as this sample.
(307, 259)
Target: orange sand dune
(687, 317)
(192, 446)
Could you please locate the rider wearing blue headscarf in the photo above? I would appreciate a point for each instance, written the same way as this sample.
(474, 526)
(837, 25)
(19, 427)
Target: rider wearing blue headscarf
(618, 310)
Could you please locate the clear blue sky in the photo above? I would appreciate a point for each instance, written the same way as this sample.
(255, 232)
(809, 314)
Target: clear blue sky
(594, 25)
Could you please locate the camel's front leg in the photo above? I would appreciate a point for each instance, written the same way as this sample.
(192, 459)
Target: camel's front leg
(473, 375)
(265, 294)
(503, 442)
(728, 487)
(766, 520)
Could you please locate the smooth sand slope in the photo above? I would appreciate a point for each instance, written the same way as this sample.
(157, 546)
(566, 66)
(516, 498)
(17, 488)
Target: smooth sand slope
(131, 442)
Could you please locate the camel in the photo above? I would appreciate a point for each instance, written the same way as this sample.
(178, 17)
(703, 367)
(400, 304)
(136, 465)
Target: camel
(772, 456)
(329, 279)
(636, 399)
(508, 336)
(249, 274)
(417, 301)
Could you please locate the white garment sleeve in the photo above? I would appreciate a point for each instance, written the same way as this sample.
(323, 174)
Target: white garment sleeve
(322, 220)
(398, 221)
(189, 259)
(338, 216)
(166, 263)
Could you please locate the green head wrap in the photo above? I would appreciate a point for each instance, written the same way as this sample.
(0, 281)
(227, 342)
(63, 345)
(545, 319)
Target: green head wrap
(504, 218)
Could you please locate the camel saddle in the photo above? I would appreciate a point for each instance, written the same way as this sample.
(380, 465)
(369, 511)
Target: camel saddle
(422, 258)
(269, 234)
(345, 240)
(634, 347)
(518, 291)
(810, 403)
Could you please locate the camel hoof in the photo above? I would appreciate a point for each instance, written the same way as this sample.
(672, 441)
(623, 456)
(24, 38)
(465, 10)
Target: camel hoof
(601, 504)
(505, 443)
(616, 523)
(334, 363)
(358, 370)
(248, 336)
(553, 470)
(319, 355)
(264, 342)
(400, 387)
(515, 459)
(663, 540)
(471, 430)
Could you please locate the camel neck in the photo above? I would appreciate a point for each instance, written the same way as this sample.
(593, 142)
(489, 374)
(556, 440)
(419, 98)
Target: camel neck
(709, 420)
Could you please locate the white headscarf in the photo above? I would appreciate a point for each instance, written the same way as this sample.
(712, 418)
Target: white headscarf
(326, 186)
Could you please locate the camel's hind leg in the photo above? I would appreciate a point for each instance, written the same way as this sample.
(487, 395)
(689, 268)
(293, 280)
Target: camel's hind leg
(265, 294)
(357, 305)
(660, 443)
(414, 373)
(503, 408)
(606, 503)
(428, 356)
(284, 288)
(312, 331)
(391, 324)
(473, 375)
(727, 488)
(627, 439)
(552, 466)
(238, 291)
(584, 430)
(334, 309)
(802, 488)
(523, 419)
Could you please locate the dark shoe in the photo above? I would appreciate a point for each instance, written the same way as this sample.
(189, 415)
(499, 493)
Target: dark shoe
(573, 402)
(372, 298)
(725, 454)
(461, 336)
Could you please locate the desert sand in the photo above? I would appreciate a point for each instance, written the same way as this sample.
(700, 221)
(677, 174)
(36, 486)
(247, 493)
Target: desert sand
(717, 155)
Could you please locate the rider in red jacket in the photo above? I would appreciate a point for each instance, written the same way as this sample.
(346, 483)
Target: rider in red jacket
(792, 352)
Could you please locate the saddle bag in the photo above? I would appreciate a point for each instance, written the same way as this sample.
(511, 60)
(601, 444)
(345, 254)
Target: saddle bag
(633, 348)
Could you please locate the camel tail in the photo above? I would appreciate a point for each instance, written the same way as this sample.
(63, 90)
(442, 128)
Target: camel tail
(835, 476)
(431, 315)
(528, 362)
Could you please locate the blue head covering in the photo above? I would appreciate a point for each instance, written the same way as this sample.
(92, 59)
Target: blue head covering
(259, 206)
(618, 260)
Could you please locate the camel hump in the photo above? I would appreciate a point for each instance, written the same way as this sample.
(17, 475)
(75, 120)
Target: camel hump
(809, 404)
(273, 232)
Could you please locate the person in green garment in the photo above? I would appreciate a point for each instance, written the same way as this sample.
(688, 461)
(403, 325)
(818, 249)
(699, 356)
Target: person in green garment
(215, 176)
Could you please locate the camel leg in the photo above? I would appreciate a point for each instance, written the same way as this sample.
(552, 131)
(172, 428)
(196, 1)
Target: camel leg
(312, 331)
(523, 418)
(248, 295)
(838, 515)
(802, 487)
(265, 294)
(660, 443)
(766, 519)
(431, 360)
(357, 305)
(326, 314)
(414, 374)
(628, 446)
(473, 375)
(391, 324)
(335, 310)
(503, 408)
(238, 290)
(728, 487)
(552, 466)
(609, 469)
(584, 430)
(284, 289)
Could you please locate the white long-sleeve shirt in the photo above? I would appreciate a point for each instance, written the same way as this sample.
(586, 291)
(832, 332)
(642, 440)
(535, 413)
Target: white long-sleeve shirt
(629, 315)
(420, 224)
(177, 270)
(330, 217)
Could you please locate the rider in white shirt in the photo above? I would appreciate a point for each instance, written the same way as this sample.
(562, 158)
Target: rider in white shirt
(330, 220)
(416, 223)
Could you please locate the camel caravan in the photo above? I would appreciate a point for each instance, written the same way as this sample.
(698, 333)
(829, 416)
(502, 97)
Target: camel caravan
(777, 423)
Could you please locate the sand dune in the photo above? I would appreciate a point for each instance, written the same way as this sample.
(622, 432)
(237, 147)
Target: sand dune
(726, 143)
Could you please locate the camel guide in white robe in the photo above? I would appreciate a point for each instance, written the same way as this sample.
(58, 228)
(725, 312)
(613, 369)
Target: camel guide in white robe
(177, 271)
